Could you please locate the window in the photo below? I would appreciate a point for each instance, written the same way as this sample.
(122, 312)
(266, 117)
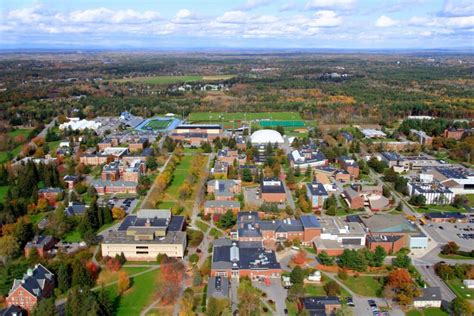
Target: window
(142, 247)
(142, 252)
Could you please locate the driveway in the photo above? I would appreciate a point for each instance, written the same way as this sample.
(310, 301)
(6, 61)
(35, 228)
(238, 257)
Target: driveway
(275, 292)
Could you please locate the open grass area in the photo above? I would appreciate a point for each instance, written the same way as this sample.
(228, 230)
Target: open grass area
(179, 175)
(239, 116)
(470, 199)
(314, 290)
(459, 289)
(440, 208)
(5, 156)
(3, 192)
(364, 285)
(73, 236)
(292, 308)
(36, 218)
(107, 276)
(162, 80)
(430, 311)
(21, 131)
(215, 233)
(135, 299)
(202, 226)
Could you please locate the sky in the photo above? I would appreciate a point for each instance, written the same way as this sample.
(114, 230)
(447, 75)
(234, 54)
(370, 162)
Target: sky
(262, 24)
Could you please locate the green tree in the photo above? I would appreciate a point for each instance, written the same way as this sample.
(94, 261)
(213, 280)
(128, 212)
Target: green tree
(297, 275)
(461, 307)
(227, 220)
(247, 175)
(325, 259)
(332, 288)
(379, 256)
(80, 275)
(64, 278)
(402, 260)
(9, 246)
(45, 307)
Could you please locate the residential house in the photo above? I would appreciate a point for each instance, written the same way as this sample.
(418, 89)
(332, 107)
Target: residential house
(50, 194)
(431, 297)
(42, 244)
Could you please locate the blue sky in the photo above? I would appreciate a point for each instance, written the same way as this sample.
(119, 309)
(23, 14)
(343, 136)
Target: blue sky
(237, 24)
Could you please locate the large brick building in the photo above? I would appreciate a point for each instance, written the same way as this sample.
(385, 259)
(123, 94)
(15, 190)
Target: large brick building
(350, 165)
(235, 259)
(272, 190)
(251, 228)
(196, 134)
(42, 244)
(36, 284)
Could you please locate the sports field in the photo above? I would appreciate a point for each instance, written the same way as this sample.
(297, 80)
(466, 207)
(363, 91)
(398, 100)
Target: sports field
(174, 79)
(157, 124)
(241, 116)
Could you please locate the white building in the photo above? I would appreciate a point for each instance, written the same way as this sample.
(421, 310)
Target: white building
(468, 283)
(373, 133)
(265, 136)
(434, 192)
(431, 297)
(76, 124)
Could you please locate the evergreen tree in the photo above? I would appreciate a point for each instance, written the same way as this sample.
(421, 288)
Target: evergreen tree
(64, 278)
(45, 307)
(80, 275)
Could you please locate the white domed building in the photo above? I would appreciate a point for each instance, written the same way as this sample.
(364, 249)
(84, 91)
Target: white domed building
(265, 136)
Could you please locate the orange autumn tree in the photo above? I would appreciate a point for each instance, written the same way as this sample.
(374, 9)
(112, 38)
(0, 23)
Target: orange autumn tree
(300, 257)
(169, 281)
(401, 287)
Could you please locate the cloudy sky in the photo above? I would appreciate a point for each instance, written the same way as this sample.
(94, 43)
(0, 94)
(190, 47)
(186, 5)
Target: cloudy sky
(237, 24)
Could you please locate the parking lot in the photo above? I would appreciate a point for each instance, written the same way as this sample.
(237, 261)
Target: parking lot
(251, 197)
(127, 204)
(461, 233)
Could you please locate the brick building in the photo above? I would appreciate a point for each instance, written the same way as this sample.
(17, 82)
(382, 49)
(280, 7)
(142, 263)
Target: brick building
(36, 284)
(350, 165)
(234, 259)
(272, 190)
(221, 207)
(50, 194)
(42, 244)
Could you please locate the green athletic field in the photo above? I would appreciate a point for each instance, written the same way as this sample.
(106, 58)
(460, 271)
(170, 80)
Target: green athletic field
(241, 116)
(272, 124)
(158, 124)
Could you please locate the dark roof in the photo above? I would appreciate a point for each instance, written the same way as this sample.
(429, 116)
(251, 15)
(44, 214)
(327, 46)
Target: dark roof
(176, 223)
(455, 215)
(75, 209)
(310, 221)
(13, 310)
(277, 188)
(248, 257)
(34, 280)
(39, 241)
(316, 188)
(430, 294)
(317, 303)
(347, 136)
(50, 190)
(383, 238)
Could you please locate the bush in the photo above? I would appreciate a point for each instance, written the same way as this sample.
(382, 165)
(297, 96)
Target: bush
(332, 288)
(342, 274)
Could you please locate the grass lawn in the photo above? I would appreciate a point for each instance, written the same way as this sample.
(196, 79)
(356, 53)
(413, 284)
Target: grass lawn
(166, 204)
(179, 175)
(459, 289)
(73, 236)
(455, 257)
(292, 308)
(14, 152)
(202, 226)
(239, 116)
(314, 290)
(107, 226)
(135, 299)
(364, 285)
(440, 208)
(430, 311)
(53, 146)
(3, 192)
(310, 250)
(107, 276)
(36, 218)
(470, 199)
(215, 233)
(21, 131)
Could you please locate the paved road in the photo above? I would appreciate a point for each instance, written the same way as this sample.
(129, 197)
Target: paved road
(432, 279)
(275, 292)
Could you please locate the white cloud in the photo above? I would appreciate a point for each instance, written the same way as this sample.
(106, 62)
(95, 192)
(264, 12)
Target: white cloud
(183, 13)
(232, 17)
(459, 8)
(385, 21)
(326, 18)
(252, 4)
(329, 4)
